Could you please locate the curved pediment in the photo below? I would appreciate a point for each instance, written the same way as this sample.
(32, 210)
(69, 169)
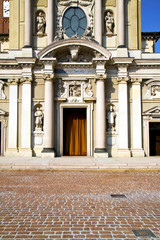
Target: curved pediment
(69, 50)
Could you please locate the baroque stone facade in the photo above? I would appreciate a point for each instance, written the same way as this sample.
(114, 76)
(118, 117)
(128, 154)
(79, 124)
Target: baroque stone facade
(74, 81)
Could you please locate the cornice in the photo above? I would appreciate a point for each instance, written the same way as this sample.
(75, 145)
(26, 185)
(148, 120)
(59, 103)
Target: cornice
(146, 63)
(122, 61)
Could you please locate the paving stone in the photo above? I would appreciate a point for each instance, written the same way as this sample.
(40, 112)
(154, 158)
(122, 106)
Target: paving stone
(78, 205)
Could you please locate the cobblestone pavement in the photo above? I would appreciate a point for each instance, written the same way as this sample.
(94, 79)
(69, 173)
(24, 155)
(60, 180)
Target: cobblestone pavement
(78, 205)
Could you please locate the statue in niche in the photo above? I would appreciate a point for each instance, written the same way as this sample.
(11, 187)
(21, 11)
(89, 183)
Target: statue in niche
(41, 23)
(2, 94)
(38, 119)
(111, 115)
(109, 19)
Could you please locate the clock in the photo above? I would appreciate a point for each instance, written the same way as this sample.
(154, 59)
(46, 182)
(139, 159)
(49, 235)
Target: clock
(5, 8)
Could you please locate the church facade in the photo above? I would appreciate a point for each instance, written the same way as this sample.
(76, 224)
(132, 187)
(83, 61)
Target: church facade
(77, 78)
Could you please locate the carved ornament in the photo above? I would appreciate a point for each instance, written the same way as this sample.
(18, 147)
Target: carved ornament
(74, 91)
(153, 90)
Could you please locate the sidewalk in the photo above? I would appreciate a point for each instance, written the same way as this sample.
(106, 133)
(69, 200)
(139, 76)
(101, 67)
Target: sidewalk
(79, 163)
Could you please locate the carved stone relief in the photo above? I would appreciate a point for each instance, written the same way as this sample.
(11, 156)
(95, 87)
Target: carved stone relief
(153, 89)
(74, 91)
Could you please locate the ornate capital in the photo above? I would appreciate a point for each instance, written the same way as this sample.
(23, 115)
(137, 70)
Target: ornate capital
(136, 81)
(49, 77)
(122, 79)
(13, 81)
(101, 77)
(26, 80)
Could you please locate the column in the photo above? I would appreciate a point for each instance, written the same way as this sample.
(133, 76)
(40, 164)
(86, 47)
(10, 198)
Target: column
(13, 118)
(48, 147)
(50, 24)
(136, 119)
(28, 23)
(25, 149)
(100, 148)
(100, 117)
(49, 115)
(98, 21)
(123, 150)
(121, 27)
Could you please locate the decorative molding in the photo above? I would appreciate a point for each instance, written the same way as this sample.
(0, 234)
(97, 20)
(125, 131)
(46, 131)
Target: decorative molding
(122, 79)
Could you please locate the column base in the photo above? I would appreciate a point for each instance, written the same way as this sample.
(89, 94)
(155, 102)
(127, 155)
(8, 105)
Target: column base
(48, 152)
(25, 152)
(124, 153)
(100, 152)
(12, 152)
(137, 153)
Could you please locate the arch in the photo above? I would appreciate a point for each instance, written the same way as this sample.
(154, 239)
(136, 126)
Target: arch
(91, 45)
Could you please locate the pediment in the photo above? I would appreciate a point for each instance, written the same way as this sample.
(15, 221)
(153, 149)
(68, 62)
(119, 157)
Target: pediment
(2, 113)
(74, 50)
(152, 82)
(152, 111)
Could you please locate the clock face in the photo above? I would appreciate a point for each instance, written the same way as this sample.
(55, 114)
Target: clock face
(5, 9)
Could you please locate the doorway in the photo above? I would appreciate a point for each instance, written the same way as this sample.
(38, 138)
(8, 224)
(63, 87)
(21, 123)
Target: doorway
(74, 132)
(154, 138)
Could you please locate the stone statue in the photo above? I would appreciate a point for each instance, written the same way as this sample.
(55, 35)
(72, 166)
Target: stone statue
(109, 23)
(41, 23)
(59, 34)
(111, 115)
(38, 118)
(2, 94)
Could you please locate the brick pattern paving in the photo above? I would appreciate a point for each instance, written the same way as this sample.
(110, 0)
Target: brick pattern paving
(78, 205)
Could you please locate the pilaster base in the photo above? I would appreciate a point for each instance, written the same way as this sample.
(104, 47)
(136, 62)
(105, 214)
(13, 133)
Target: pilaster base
(48, 153)
(12, 152)
(25, 152)
(124, 153)
(100, 152)
(101, 155)
(138, 153)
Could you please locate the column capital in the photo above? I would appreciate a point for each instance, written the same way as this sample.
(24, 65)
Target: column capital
(100, 77)
(13, 81)
(136, 81)
(26, 80)
(123, 79)
(49, 77)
